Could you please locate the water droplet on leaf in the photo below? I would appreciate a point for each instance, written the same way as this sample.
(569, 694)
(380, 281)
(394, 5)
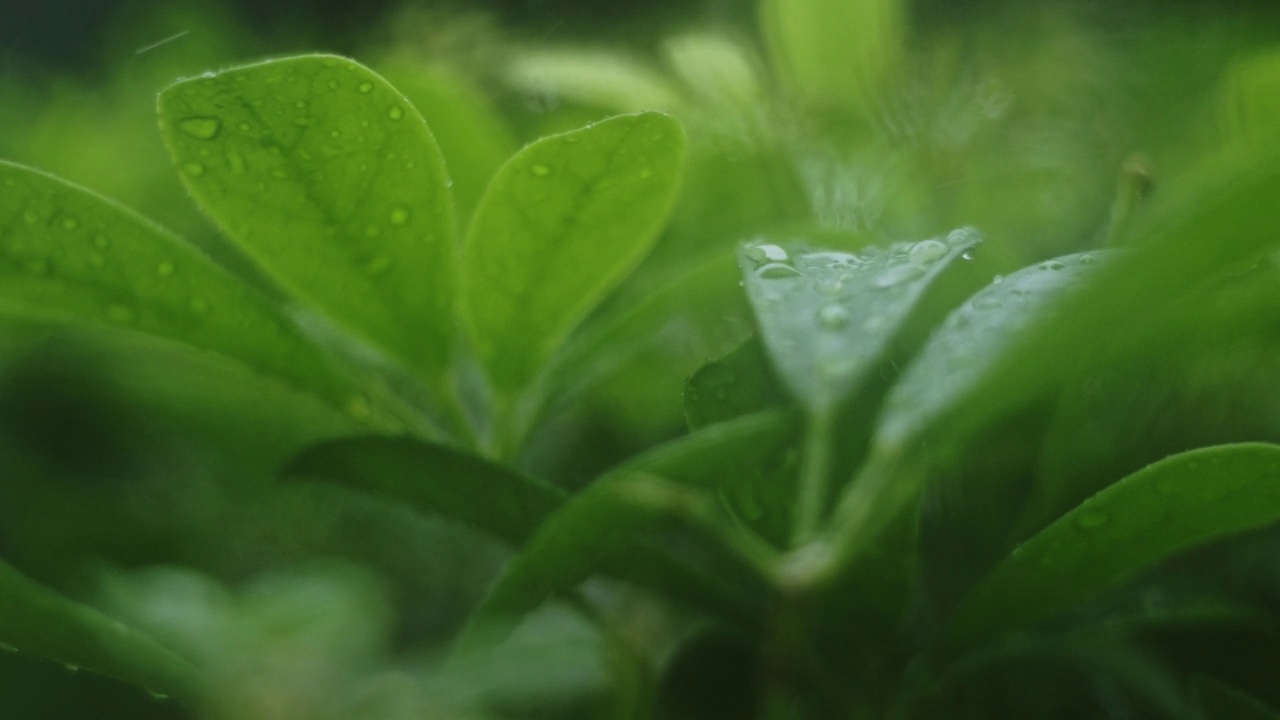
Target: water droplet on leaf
(833, 316)
(540, 170)
(399, 216)
(194, 169)
(396, 112)
(165, 269)
(365, 87)
(201, 128)
(927, 251)
(777, 271)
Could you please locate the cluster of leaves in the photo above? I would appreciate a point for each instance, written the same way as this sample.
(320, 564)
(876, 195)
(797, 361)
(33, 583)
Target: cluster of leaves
(916, 491)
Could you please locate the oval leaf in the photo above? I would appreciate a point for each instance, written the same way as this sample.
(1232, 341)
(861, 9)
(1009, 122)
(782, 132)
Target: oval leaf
(37, 620)
(330, 180)
(69, 255)
(827, 318)
(1173, 505)
(562, 222)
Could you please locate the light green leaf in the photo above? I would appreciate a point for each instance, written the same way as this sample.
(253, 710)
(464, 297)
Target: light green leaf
(39, 621)
(330, 180)
(835, 52)
(69, 255)
(827, 318)
(564, 221)
(1170, 506)
(434, 479)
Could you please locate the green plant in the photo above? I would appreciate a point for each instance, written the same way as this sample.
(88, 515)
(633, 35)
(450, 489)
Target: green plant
(917, 491)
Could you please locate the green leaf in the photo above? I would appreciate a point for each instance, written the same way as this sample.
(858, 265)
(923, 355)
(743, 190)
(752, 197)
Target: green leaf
(827, 318)
(737, 384)
(1249, 102)
(1173, 505)
(434, 479)
(330, 180)
(1220, 701)
(39, 621)
(72, 256)
(835, 52)
(564, 221)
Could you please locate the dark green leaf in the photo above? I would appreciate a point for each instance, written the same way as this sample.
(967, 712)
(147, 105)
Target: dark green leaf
(1170, 506)
(434, 479)
(563, 221)
(72, 256)
(330, 179)
(737, 384)
(827, 318)
(36, 620)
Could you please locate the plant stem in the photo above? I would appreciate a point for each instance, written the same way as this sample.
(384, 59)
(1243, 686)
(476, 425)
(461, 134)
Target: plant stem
(815, 477)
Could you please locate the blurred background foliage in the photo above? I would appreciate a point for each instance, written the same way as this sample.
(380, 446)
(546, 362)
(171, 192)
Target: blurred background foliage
(1013, 117)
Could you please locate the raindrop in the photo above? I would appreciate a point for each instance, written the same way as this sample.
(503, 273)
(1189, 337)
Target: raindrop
(399, 216)
(897, 275)
(1051, 265)
(194, 169)
(833, 316)
(966, 255)
(927, 251)
(70, 223)
(540, 170)
(396, 112)
(365, 87)
(960, 236)
(165, 269)
(761, 254)
(776, 271)
(201, 128)
(1092, 519)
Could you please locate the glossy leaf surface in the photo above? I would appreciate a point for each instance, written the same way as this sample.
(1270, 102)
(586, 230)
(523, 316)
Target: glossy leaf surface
(328, 178)
(560, 225)
(1173, 505)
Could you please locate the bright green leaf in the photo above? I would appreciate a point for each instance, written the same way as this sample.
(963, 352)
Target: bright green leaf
(564, 221)
(827, 318)
(328, 178)
(1170, 506)
(72, 256)
(434, 479)
(38, 621)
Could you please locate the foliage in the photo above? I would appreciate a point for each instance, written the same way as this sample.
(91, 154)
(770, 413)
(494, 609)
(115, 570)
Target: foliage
(396, 446)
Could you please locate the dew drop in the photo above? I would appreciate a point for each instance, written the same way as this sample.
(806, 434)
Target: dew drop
(776, 271)
(927, 251)
(1092, 519)
(540, 170)
(960, 236)
(120, 314)
(761, 254)
(396, 112)
(70, 223)
(365, 87)
(897, 275)
(399, 216)
(833, 316)
(1051, 265)
(966, 255)
(194, 169)
(201, 127)
(165, 269)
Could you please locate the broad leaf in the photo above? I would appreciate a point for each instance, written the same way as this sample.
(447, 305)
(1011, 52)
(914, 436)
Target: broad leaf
(330, 180)
(737, 384)
(434, 479)
(1170, 506)
(39, 621)
(564, 220)
(72, 256)
(827, 318)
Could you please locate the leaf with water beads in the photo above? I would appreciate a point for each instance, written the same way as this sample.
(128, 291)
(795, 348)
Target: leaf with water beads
(331, 181)
(1168, 507)
(827, 318)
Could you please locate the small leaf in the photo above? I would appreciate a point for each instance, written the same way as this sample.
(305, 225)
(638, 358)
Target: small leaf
(737, 384)
(328, 178)
(1173, 505)
(71, 256)
(38, 621)
(1220, 701)
(434, 479)
(827, 318)
(564, 221)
